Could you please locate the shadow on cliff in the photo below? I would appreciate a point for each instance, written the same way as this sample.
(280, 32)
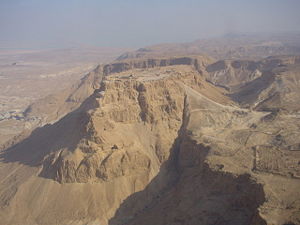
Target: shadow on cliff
(187, 191)
(63, 134)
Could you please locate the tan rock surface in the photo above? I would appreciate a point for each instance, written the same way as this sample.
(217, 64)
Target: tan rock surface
(155, 144)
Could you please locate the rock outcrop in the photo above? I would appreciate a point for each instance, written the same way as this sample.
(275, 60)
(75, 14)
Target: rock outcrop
(269, 84)
(155, 143)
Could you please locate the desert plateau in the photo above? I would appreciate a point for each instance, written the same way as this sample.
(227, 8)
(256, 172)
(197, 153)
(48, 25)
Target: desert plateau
(202, 132)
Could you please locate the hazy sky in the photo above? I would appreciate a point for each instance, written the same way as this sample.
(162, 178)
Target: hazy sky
(135, 23)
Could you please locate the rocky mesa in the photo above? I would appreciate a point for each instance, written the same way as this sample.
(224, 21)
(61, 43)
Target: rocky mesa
(160, 141)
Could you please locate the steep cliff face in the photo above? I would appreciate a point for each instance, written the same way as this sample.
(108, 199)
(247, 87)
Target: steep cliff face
(198, 62)
(229, 170)
(156, 104)
(110, 147)
(154, 144)
(126, 135)
(201, 190)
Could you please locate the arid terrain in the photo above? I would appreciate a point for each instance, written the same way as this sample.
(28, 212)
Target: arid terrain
(179, 134)
(230, 46)
(29, 75)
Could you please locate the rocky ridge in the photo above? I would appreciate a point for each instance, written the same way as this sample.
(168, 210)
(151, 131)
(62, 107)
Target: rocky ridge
(155, 130)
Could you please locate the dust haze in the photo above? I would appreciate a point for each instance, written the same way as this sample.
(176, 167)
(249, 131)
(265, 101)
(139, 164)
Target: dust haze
(149, 112)
(69, 23)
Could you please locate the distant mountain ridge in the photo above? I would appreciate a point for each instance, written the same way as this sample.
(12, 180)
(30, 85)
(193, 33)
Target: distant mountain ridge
(163, 138)
(231, 46)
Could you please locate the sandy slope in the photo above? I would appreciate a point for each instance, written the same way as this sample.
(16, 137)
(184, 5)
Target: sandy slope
(155, 143)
